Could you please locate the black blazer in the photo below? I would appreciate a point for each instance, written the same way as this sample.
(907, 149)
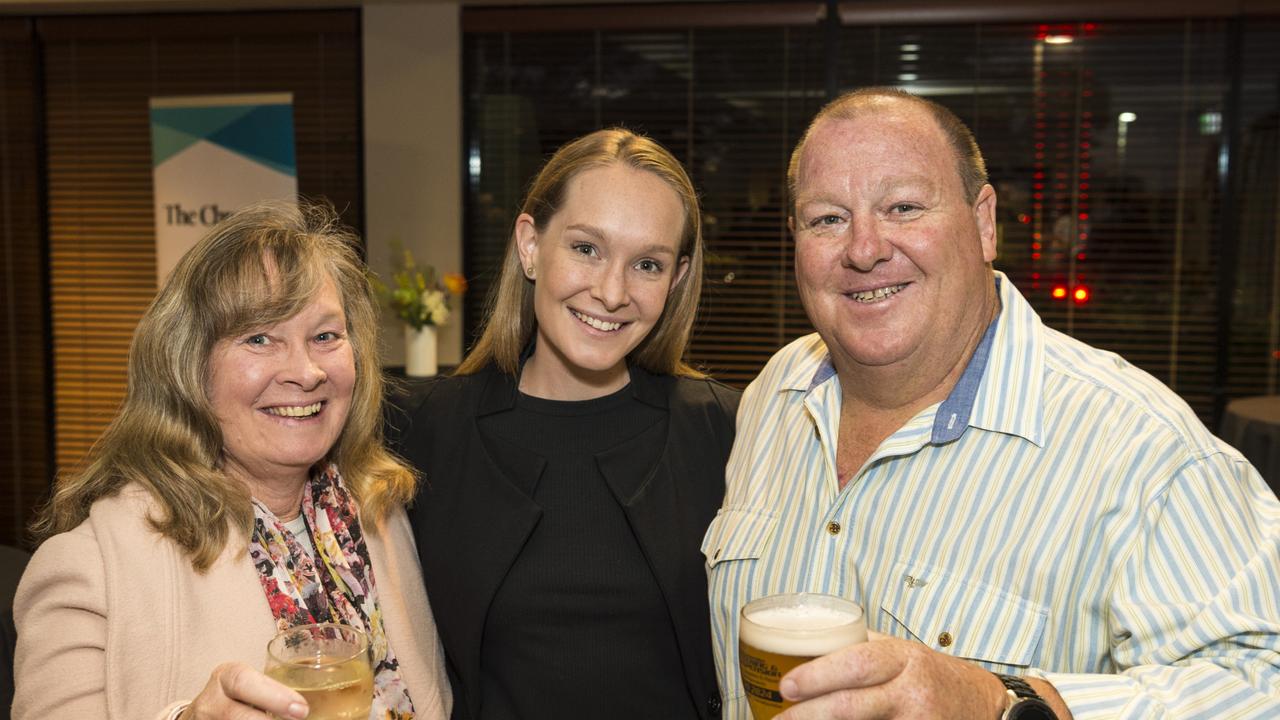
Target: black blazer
(472, 516)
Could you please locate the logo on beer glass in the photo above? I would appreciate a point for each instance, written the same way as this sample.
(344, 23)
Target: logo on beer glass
(779, 632)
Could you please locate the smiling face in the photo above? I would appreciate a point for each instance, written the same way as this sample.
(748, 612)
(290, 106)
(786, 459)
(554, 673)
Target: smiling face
(282, 393)
(891, 258)
(603, 268)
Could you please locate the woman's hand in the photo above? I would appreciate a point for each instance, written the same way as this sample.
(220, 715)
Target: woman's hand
(238, 692)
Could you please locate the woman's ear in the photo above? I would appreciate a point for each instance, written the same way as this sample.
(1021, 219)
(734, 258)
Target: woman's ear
(682, 268)
(526, 235)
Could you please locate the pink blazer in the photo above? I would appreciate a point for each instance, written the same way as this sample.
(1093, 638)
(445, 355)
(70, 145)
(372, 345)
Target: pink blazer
(114, 623)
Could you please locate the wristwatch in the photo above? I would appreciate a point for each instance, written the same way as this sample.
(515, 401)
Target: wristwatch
(1023, 702)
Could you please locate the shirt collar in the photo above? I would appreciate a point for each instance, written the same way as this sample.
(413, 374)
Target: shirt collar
(1000, 388)
(953, 415)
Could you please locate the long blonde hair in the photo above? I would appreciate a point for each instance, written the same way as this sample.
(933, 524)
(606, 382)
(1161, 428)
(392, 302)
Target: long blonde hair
(258, 267)
(511, 322)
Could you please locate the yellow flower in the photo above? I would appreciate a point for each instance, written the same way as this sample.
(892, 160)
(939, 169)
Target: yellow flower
(455, 283)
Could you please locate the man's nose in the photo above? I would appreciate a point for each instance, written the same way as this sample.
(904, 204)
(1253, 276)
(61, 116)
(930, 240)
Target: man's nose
(866, 245)
(611, 286)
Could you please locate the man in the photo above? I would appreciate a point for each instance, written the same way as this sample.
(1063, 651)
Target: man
(999, 497)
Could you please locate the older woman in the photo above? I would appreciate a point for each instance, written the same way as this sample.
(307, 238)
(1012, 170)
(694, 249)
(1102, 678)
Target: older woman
(573, 463)
(242, 489)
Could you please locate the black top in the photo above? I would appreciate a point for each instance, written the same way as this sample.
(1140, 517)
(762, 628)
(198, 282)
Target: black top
(580, 605)
(478, 518)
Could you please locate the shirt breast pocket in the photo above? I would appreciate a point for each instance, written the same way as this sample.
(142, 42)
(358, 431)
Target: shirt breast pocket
(739, 534)
(963, 617)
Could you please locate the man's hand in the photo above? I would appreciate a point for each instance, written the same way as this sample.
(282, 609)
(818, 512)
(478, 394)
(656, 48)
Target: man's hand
(887, 677)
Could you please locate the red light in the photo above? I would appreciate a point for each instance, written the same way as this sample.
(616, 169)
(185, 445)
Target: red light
(1084, 216)
(1059, 292)
(1081, 295)
(1035, 256)
(1276, 354)
(1079, 256)
(1036, 276)
(1024, 218)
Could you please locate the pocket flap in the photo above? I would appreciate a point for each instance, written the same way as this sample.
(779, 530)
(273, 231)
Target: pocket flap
(737, 535)
(962, 617)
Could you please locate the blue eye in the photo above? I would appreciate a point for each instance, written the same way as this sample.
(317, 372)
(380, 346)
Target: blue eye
(256, 340)
(824, 220)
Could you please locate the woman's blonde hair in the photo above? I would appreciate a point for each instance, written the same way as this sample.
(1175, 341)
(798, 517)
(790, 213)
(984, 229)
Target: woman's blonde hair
(511, 322)
(258, 267)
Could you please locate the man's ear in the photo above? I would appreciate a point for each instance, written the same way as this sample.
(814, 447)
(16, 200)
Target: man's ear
(984, 215)
(682, 268)
(526, 234)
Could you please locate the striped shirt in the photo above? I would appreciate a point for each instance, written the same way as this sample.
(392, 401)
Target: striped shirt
(1061, 514)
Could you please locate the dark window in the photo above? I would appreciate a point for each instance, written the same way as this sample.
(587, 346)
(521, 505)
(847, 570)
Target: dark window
(1106, 140)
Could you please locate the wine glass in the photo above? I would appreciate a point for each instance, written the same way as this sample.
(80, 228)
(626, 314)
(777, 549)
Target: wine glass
(329, 665)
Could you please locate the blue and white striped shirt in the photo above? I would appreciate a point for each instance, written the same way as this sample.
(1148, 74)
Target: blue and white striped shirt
(1061, 514)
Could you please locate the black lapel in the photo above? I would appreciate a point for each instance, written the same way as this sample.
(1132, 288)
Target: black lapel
(474, 524)
(645, 478)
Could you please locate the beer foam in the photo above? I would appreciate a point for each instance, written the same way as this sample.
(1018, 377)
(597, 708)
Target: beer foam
(802, 630)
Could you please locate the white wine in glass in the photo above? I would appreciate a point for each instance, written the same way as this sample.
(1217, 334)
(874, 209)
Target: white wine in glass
(329, 665)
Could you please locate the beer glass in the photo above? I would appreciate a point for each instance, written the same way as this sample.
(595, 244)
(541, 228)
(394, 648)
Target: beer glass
(329, 665)
(779, 632)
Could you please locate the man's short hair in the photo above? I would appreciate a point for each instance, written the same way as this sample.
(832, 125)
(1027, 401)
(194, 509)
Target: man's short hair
(969, 162)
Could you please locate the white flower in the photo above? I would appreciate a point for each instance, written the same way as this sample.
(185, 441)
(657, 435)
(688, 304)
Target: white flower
(434, 306)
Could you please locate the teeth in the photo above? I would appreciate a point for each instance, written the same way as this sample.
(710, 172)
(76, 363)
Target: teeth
(295, 411)
(597, 324)
(877, 294)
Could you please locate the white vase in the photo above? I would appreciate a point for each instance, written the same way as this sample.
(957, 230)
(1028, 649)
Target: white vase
(420, 351)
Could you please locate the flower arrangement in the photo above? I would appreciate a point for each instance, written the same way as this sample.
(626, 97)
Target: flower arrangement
(419, 298)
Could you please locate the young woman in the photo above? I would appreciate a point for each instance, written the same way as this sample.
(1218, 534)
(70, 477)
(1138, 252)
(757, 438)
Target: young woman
(574, 461)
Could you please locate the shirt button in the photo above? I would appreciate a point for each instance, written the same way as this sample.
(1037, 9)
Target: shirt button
(945, 639)
(833, 527)
(713, 706)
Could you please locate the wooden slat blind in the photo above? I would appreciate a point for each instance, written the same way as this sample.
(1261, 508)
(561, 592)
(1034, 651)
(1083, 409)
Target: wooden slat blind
(100, 73)
(24, 446)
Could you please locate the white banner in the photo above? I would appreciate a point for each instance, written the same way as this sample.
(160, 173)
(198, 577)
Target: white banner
(211, 155)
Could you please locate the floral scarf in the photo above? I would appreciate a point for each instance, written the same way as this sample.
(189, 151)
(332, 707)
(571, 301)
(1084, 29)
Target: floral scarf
(339, 589)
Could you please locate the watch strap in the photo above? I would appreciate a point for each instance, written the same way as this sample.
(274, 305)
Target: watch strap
(1023, 701)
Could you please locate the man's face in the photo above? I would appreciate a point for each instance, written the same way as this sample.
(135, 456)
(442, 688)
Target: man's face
(891, 259)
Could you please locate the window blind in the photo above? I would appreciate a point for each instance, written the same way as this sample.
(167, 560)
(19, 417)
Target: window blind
(1102, 134)
(100, 72)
